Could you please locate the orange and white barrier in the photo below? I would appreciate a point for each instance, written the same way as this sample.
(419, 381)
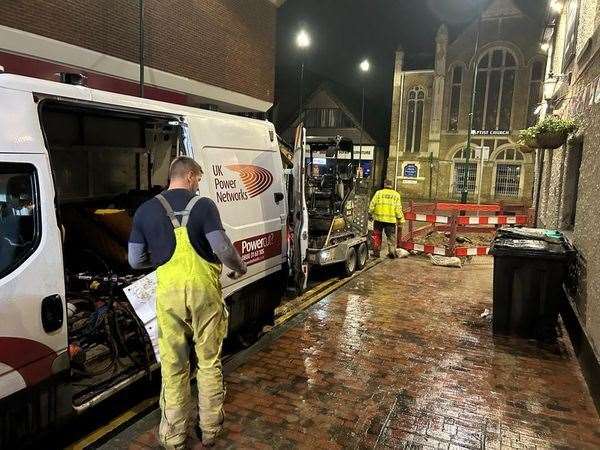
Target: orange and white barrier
(468, 220)
(454, 223)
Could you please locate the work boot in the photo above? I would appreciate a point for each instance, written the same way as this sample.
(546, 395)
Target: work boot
(209, 439)
(376, 254)
(392, 255)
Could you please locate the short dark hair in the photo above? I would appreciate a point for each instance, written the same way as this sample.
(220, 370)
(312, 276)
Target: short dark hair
(182, 165)
(387, 183)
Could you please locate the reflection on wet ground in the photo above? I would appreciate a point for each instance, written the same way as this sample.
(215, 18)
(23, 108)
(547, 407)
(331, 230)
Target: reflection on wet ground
(399, 357)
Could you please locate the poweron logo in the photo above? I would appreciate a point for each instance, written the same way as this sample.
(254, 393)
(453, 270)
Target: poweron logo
(256, 179)
(259, 248)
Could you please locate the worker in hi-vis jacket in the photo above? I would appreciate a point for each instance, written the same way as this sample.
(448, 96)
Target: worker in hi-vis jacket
(386, 210)
(181, 234)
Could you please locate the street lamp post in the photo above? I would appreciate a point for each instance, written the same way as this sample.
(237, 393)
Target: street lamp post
(465, 191)
(141, 30)
(302, 42)
(364, 66)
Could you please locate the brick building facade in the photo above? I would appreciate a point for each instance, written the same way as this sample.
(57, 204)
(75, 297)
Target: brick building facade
(213, 52)
(567, 186)
(430, 111)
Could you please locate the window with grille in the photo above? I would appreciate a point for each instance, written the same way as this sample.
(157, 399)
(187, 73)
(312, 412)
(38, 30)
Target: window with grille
(414, 119)
(535, 91)
(463, 173)
(495, 86)
(457, 76)
(507, 180)
(508, 172)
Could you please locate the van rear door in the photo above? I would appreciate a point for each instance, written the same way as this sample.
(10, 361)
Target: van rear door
(300, 210)
(243, 174)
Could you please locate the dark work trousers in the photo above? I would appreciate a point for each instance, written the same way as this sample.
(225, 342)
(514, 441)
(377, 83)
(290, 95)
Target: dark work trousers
(390, 234)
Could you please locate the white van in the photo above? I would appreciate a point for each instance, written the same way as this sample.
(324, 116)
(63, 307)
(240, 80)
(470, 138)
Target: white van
(75, 163)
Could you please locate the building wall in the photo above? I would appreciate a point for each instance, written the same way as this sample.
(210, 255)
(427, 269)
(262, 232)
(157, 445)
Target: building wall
(397, 153)
(560, 189)
(225, 43)
(502, 26)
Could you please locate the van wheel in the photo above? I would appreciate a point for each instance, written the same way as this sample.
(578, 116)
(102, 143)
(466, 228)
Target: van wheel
(362, 255)
(350, 262)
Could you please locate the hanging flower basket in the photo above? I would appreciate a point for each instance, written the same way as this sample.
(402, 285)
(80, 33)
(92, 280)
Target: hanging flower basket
(551, 140)
(550, 133)
(528, 144)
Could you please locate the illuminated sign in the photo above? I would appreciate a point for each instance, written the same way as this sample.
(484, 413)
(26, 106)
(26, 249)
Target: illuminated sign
(490, 132)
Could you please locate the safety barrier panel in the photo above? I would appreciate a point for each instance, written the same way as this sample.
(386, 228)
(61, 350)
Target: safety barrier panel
(452, 218)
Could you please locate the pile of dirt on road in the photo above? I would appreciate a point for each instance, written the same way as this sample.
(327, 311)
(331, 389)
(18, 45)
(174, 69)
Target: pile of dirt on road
(441, 239)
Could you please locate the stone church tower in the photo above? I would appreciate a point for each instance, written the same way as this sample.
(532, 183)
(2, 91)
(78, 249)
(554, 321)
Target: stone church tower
(430, 110)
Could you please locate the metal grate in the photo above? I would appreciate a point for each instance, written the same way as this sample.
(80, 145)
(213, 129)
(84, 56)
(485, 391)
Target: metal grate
(460, 170)
(508, 177)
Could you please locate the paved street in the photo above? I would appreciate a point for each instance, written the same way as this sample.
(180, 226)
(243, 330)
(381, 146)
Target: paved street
(411, 366)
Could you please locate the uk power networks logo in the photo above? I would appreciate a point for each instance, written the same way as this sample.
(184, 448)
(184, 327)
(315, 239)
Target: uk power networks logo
(254, 181)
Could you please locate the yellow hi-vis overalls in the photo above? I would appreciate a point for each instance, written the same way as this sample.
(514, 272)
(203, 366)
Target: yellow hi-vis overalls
(191, 314)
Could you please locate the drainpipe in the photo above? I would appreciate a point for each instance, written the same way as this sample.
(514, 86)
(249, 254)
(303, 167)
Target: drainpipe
(561, 181)
(398, 134)
(540, 171)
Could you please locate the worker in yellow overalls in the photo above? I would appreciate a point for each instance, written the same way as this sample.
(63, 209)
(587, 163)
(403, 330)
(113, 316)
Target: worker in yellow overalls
(386, 210)
(182, 235)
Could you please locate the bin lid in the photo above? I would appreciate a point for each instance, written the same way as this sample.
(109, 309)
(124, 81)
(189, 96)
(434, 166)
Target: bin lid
(543, 234)
(531, 244)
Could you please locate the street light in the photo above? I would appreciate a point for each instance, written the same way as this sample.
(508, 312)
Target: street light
(303, 39)
(364, 66)
(556, 6)
(465, 191)
(141, 31)
(302, 42)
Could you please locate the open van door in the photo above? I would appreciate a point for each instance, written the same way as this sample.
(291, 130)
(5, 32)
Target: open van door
(243, 174)
(300, 210)
(33, 324)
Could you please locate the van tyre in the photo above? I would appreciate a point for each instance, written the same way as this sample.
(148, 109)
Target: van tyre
(350, 262)
(362, 255)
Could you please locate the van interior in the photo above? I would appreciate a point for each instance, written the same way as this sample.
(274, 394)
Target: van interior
(105, 163)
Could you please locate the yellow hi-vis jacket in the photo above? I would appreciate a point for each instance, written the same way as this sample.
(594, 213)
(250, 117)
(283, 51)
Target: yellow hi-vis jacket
(386, 206)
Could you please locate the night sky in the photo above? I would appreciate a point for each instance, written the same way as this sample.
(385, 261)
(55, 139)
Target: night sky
(343, 32)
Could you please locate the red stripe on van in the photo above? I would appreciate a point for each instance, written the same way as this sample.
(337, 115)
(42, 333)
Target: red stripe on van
(33, 360)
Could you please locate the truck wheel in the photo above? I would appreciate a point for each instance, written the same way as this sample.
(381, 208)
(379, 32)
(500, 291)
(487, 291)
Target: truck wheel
(362, 255)
(350, 263)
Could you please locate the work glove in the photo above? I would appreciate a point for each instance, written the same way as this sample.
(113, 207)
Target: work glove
(236, 275)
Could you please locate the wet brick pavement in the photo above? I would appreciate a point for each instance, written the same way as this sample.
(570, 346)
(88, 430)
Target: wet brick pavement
(400, 358)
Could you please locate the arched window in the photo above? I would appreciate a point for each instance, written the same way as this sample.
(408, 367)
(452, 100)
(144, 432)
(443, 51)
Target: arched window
(414, 119)
(457, 77)
(535, 90)
(509, 170)
(464, 173)
(494, 90)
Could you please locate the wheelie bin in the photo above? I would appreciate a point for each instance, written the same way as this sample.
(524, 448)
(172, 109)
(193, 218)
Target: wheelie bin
(530, 266)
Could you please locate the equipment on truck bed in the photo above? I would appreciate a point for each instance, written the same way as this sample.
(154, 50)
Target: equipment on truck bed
(337, 203)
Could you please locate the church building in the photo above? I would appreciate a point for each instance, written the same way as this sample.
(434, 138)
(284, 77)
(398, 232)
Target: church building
(430, 111)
